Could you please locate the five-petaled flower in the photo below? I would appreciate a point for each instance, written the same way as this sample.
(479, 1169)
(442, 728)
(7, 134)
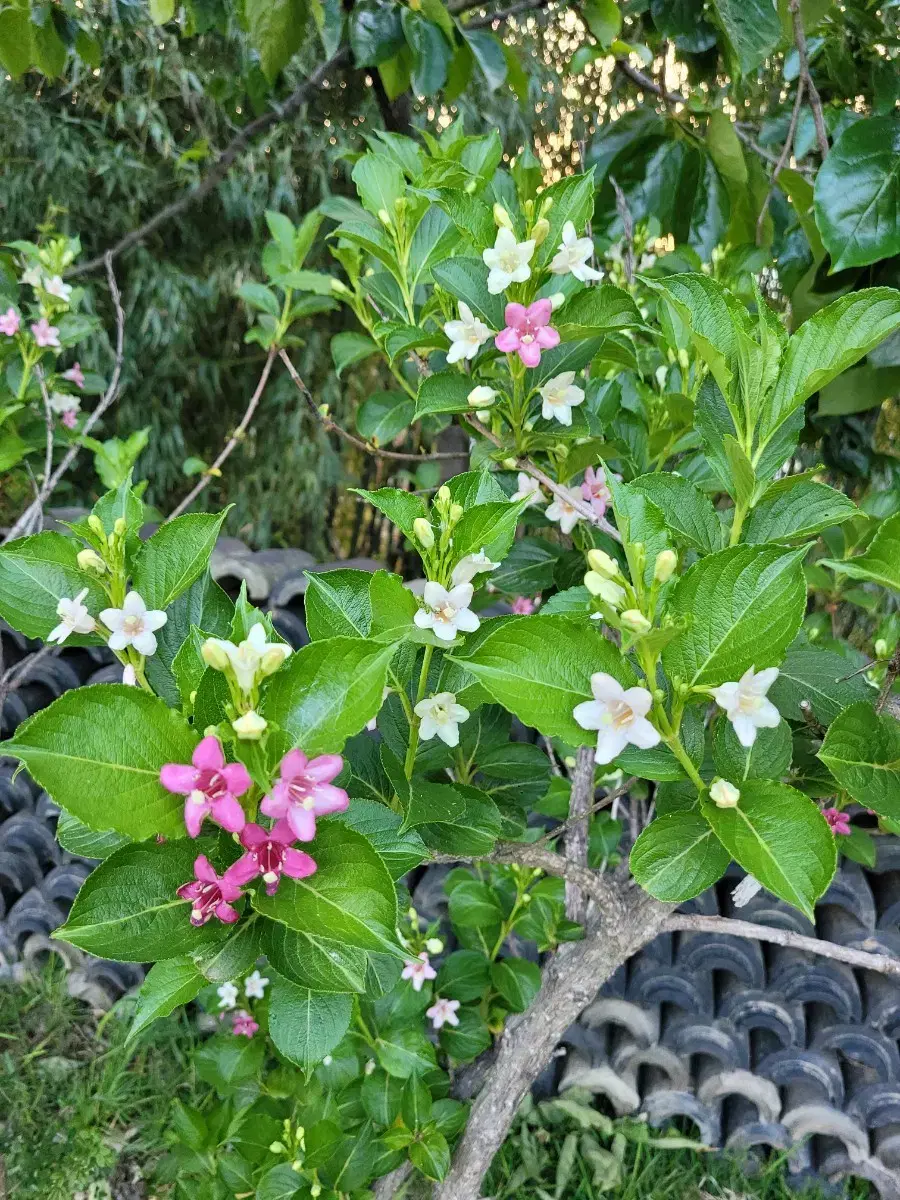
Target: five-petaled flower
(269, 853)
(528, 488)
(595, 490)
(746, 706)
(75, 375)
(470, 566)
(527, 331)
(418, 970)
(564, 508)
(211, 894)
(839, 821)
(62, 402)
(255, 986)
(243, 1025)
(45, 334)
(250, 658)
(524, 606)
(446, 612)
(440, 715)
(228, 995)
(54, 286)
(467, 335)
(304, 791)
(508, 261)
(573, 254)
(211, 786)
(443, 1012)
(618, 715)
(560, 395)
(133, 624)
(9, 322)
(73, 618)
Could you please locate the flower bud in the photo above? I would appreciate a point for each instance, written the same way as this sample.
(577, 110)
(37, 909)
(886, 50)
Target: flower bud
(635, 621)
(684, 359)
(660, 376)
(369, 1067)
(96, 525)
(315, 1190)
(666, 562)
(213, 655)
(540, 230)
(501, 217)
(724, 794)
(434, 945)
(423, 531)
(273, 658)
(603, 564)
(557, 300)
(277, 1148)
(881, 647)
(250, 727)
(509, 464)
(384, 217)
(90, 560)
(546, 205)
(444, 495)
(481, 397)
(120, 526)
(340, 288)
(471, 187)
(599, 585)
(129, 676)
(456, 512)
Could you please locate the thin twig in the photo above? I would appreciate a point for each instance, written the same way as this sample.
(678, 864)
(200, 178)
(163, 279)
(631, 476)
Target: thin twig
(627, 231)
(236, 437)
(525, 464)
(48, 453)
(525, 854)
(887, 686)
(331, 426)
(109, 396)
(815, 101)
(597, 806)
(783, 159)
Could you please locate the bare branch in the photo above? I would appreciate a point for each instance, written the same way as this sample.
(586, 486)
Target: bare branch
(597, 806)
(236, 437)
(815, 101)
(525, 854)
(50, 482)
(331, 426)
(502, 14)
(48, 452)
(580, 800)
(887, 686)
(783, 158)
(583, 509)
(627, 231)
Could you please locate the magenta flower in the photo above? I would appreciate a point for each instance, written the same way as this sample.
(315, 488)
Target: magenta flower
(524, 606)
(417, 970)
(211, 786)
(596, 490)
(242, 1024)
(45, 334)
(75, 375)
(69, 418)
(305, 791)
(527, 332)
(212, 894)
(839, 821)
(9, 322)
(269, 853)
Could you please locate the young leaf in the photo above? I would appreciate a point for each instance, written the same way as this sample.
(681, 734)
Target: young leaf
(466, 280)
(168, 984)
(383, 416)
(862, 751)
(304, 1026)
(880, 563)
(401, 508)
(379, 182)
(176, 555)
(517, 980)
(443, 392)
(677, 857)
(688, 513)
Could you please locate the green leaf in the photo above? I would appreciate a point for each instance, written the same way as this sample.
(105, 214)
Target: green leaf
(431, 1155)
(304, 1026)
(260, 297)
(49, 50)
(471, 832)
(276, 30)
(327, 691)
(857, 194)
(604, 20)
(443, 392)
(862, 751)
(98, 752)
(430, 50)
(859, 846)
(203, 606)
(573, 200)
(401, 508)
(468, 1039)
(488, 53)
(780, 837)
(233, 957)
(597, 310)
(35, 574)
(348, 349)
(162, 11)
(880, 563)
(466, 279)
(790, 509)
(517, 980)
(380, 183)
(768, 758)
(528, 568)
(337, 603)
(688, 513)
(76, 837)
(404, 1053)
(280, 1182)
(381, 1095)
(753, 29)
(168, 984)
(350, 898)
(127, 908)
(677, 857)
(381, 826)
(375, 32)
(490, 527)
(743, 606)
(311, 961)
(226, 1062)
(859, 390)
(821, 678)
(640, 520)
(176, 555)
(15, 40)
(464, 975)
(384, 415)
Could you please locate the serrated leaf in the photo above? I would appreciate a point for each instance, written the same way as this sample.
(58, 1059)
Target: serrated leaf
(823, 678)
(862, 751)
(677, 857)
(168, 985)
(305, 1026)
(768, 758)
(880, 563)
(788, 511)
(35, 574)
(688, 512)
(178, 553)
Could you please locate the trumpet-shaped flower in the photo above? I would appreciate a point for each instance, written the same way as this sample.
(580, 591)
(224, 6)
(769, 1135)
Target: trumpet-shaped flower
(564, 510)
(618, 715)
(417, 971)
(54, 286)
(75, 375)
(746, 706)
(838, 821)
(573, 255)
(595, 490)
(524, 606)
(470, 566)
(481, 397)
(304, 791)
(9, 322)
(446, 612)
(508, 261)
(443, 1012)
(228, 995)
(528, 487)
(467, 335)
(133, 625)
(269, 853)
(45, 334)
(251, 657)
(440, 715)
(211, 786)
(73, 618)
(243, 1025)
(211, 894)
(255, 986)
(527, 331)
(560, 395)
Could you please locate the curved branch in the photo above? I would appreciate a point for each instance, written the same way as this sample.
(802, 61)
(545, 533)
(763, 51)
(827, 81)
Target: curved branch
(782, 158)
(815, 102)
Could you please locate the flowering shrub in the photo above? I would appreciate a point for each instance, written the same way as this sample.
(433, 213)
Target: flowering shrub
(669, 640)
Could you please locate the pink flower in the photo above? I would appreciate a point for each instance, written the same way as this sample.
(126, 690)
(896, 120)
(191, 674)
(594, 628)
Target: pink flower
(595, 490)
(524, 606)
(211, 894)
(417, 970)
(9, 322)
(70, 418)
(269, 854)
(75, 375)
(243, 1024)
(211, 786)
(839, 821)
(527, 332)
(443, 1012)
(45, 334)
(305, 791)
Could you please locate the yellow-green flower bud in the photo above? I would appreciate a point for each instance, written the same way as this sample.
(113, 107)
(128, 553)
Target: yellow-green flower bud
(635, 621)
(443, 494)
(600, 585)
(434, 945)
(277, 1148)
(501, 217)
(273, 658)
(90, 560)
(120, 526)
(603, 564)
(540, 231)
(666, 562)
(213, 655)
(250, 727)
(423, 531)
(96, 525)
(456, 512)
(684, 359)
(384, 217)
(881, 647)
(724, 794)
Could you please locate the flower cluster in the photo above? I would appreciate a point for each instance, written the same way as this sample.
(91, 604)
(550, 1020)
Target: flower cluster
(245, 665)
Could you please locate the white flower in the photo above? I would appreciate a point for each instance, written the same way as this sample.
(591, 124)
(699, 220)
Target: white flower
(133, 625)
(250, 727)
(470, 566)
(481, 397)
(129, 676)
(528, 487)
(61, 402)
(467, 335)
(441, 715)
(443, 1012)
(560, 395)
(32, 277)
(745, 891)
(508, 261)
(245, 659)
(417, 970)
(746, 706)
(563, 509)
(607, 589)
(446, 612)
(255, 986)
(73, 618)
(619, 716)
(228, 995)
(56, 287)
(573, 254)
(724, 794)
